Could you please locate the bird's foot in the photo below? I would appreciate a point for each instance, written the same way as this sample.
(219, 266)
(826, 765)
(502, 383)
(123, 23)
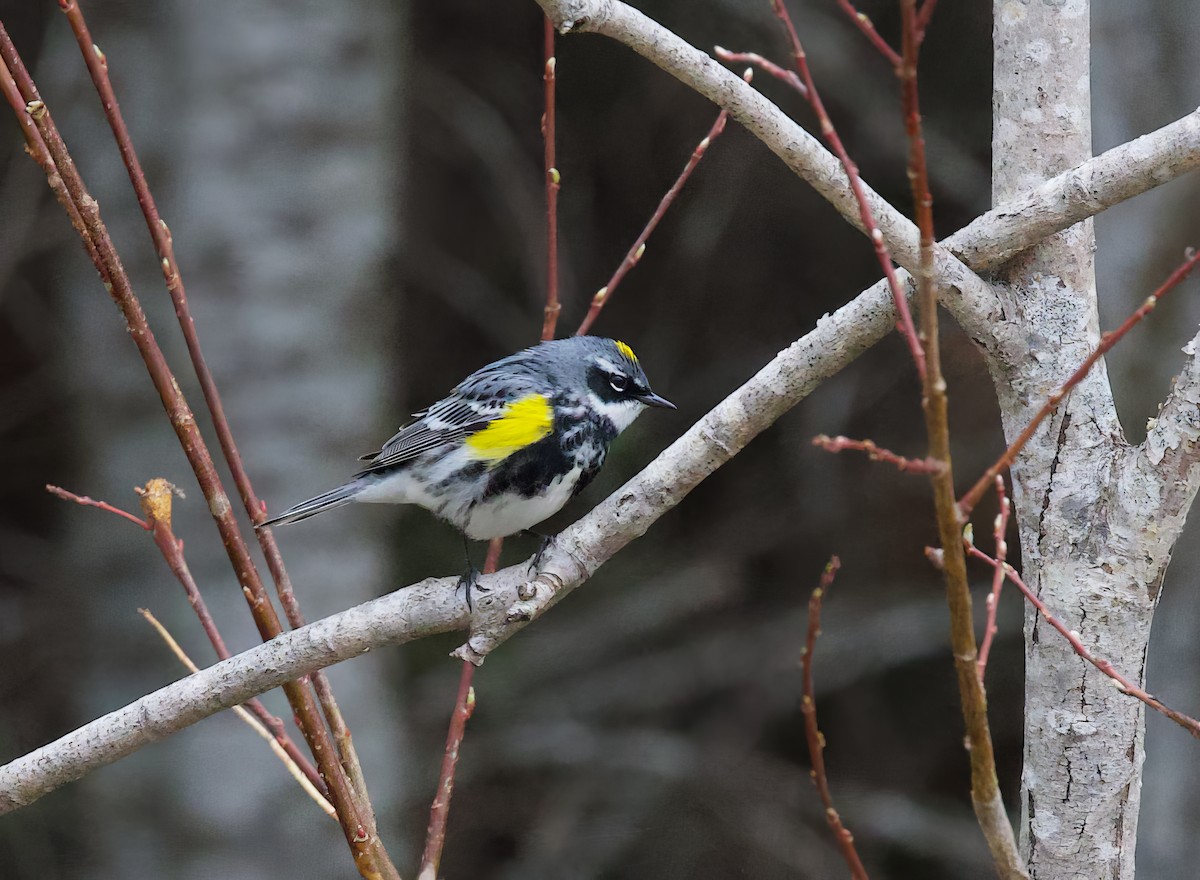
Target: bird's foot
(470, 581)
(546, 541)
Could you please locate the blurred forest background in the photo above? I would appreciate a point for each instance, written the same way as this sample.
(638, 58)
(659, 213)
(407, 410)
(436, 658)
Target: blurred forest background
(356, 198)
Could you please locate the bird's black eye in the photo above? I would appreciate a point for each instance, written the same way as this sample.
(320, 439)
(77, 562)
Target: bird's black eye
(619, 383)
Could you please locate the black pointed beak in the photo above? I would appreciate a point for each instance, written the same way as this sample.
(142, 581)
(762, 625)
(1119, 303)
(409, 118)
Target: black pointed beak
(652, 399)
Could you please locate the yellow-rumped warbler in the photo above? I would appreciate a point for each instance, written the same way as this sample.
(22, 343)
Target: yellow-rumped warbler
(510, 445)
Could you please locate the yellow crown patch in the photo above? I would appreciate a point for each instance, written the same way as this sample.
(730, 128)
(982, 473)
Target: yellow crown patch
(626, 350)
(519, 424)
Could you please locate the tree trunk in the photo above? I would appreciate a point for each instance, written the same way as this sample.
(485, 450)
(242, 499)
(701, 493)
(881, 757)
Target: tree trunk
(1083, 738)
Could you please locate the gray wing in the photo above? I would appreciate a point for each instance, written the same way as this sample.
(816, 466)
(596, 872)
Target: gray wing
(471, 407)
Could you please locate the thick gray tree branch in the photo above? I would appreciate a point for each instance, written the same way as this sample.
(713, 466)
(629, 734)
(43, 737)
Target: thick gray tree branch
(423, 609)
(432, 606)
(1086, 190)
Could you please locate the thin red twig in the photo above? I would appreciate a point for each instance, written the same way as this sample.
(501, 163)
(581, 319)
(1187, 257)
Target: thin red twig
(924, 17)
(34, 145)
(967, 503)
(812, 732)
(864, 24)
(765, 65)
(435, 837)
(604, 294)
(1124, 684)
(464, 706)
(84, 500)
(905, 321)
(367, 851)
(878, 453)
(160, 234)
(553, 180)
(999, 530)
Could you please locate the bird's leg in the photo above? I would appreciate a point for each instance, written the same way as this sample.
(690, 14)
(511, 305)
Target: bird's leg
(546, 541)
(470, 578)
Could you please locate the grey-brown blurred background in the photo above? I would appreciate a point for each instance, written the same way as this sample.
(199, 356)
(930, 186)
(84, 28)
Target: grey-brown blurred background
(355, 194)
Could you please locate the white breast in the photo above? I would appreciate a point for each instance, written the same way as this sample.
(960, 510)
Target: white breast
(506, 515)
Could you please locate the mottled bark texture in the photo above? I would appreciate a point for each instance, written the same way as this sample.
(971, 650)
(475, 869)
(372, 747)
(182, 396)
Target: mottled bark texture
(1097, 518)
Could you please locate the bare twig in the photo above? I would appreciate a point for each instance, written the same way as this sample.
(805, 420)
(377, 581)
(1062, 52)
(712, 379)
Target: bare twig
(878, 453)
(999, 530)
(553, 180)
(292, 767)
(1124, 684)
(812, 732)
(11, 70)
(439, 810)
(905, 323)
(1107, 341)
(605, 293)
(435, 836)
(84, 500)
(765, 65)
(924, 17)
(865, 25)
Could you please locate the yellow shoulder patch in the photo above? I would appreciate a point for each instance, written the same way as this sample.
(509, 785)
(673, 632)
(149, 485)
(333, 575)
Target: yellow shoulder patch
(626, 350)
(519, 424)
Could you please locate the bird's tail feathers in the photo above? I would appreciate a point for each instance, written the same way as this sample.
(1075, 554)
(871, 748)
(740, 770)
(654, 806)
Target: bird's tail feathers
(325, 501)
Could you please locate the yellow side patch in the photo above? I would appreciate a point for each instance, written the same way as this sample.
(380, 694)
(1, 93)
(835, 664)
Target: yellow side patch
(626, 350)
(519, 424)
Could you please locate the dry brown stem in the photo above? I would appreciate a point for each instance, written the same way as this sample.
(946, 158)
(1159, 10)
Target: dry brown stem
(864, 24)
(298, 773)
(765, 65)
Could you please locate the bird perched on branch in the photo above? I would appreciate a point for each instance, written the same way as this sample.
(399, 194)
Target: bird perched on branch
(509, 446)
